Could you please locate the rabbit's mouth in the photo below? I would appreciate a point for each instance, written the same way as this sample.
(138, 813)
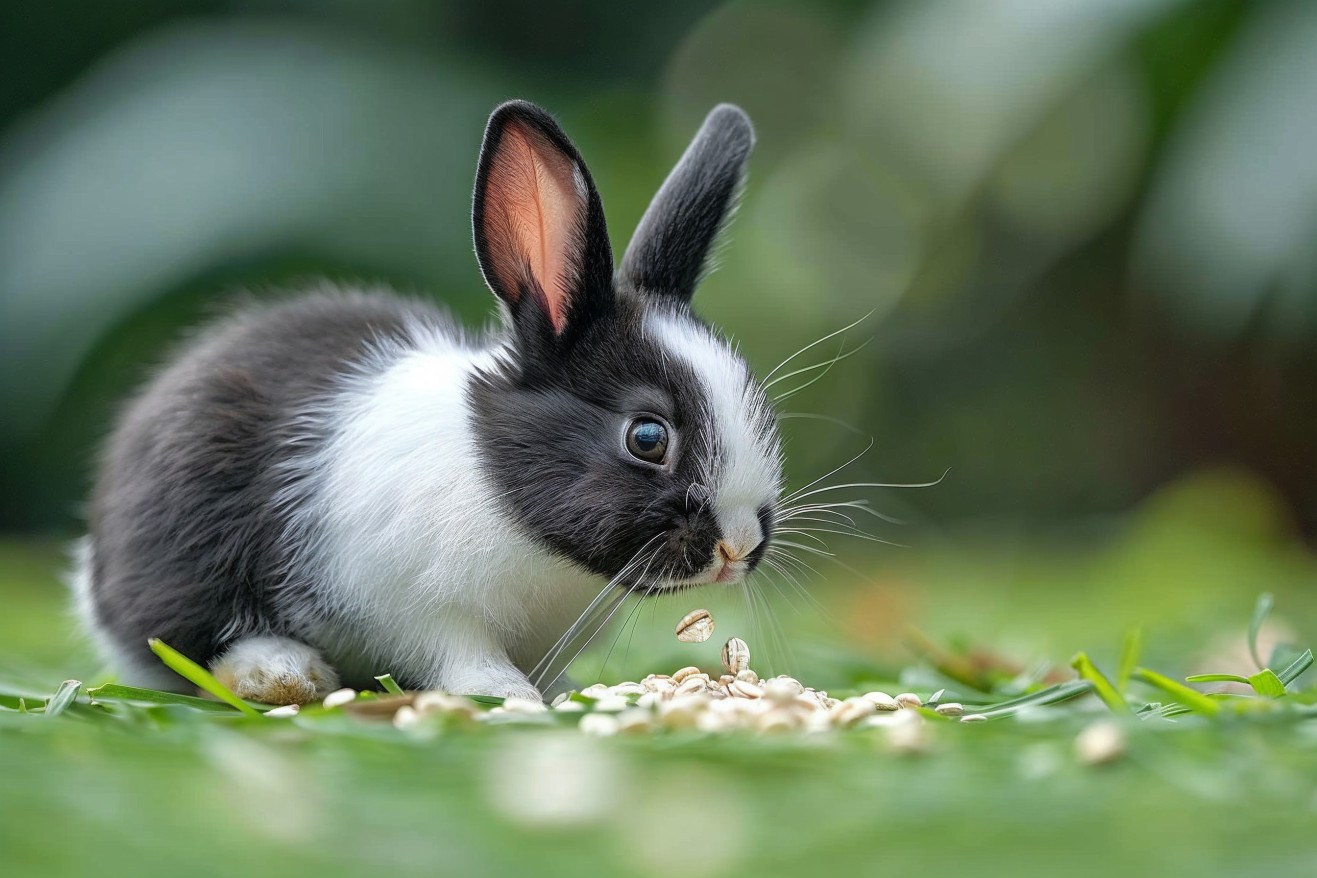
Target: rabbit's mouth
(731, 571)
(702, 550)
(731, 564)
(724, 569)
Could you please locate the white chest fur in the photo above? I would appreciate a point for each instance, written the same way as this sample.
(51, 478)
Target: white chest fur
(420, 570)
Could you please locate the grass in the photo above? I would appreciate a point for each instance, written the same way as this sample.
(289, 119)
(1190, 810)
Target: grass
(103, 779)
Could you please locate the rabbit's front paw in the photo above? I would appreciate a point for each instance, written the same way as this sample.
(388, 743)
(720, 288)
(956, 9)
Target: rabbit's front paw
(504, 682)
(275, 670)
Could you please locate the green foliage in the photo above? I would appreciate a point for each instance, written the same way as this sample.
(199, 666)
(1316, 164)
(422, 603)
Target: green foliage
(1265, 682)
(63, 697)
(1107, 692)
(1130, 650)
(1192, 698)
(1297, 667)
(1260, 613)
(132, 694)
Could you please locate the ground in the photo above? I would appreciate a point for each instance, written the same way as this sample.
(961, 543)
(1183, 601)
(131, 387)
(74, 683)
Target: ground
(171, 789)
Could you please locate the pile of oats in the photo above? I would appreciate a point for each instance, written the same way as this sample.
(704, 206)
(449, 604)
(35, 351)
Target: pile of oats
(738, 699)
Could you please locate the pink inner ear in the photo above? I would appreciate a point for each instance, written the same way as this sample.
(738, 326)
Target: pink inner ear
(533, 214)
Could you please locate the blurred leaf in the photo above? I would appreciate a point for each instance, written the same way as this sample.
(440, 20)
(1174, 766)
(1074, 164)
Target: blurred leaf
(1265, 682)
(777, 60)
(956, 666)
(1217, 678)
(1190, 698)
(1057, 694)
(1225, 238)
(1130, 650)
(12, 702)
(949, 86)
(115, 692)
(1261, 611)
(1101, 684)
(1294, 670)
(1074, 173)
(209, 143)
(63, 697)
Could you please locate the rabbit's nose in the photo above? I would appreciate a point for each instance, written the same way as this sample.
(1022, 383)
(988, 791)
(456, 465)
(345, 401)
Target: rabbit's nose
(741, 535)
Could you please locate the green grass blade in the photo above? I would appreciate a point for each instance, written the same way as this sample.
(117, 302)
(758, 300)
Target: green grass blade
(65, 695)
(115, 692)
(387, 681)
(1190, 698)
(1129, 657)
(1051, 695)
(197, 675)
(1295, 668)
(1108, 693)
(1265, 682)
(1217, 678)
(1260, 613)
(12, 702)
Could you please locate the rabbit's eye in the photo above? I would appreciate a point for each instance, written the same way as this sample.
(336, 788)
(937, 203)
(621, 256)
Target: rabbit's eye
(647, 440)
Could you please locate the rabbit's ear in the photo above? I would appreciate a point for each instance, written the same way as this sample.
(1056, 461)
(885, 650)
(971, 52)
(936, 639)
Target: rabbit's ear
(539, 225)
(670, 249)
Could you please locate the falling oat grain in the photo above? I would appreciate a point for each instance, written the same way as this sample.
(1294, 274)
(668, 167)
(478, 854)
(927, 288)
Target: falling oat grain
(695, 627)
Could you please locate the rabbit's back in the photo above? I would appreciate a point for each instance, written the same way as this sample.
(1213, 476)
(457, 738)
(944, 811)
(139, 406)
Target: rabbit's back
(189, 537)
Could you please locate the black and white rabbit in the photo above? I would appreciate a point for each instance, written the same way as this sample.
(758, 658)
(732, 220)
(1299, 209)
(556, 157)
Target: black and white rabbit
(345, 483)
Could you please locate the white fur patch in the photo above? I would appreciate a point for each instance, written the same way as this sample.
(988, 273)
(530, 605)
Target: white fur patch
(423, 569)
(748, 471)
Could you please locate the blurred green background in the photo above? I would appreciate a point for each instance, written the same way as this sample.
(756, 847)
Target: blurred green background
(1086, 228)
(1086, 231)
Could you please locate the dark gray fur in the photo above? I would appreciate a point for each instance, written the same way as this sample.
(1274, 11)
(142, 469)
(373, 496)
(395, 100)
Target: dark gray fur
(669, 251)
(187, 537)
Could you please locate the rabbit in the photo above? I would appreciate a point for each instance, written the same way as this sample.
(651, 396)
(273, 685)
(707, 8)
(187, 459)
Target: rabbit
(342, 483)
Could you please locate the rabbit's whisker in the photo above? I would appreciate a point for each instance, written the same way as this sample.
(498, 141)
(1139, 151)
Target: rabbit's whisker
(835, 509)
(778, 564)
(605, 603)
(826, 366)
(800, 533)
(784, 557)
(794, 495)
(816, 343)
(641, 594)
(857, 534)
(804, 548)
(835, 560)
(813, 416)
(801, 496)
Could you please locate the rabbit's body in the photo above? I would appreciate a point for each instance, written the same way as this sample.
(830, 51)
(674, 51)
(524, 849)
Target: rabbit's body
(235, 486)
(345, 484)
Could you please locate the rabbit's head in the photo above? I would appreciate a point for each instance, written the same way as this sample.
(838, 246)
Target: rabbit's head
(614, 424)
